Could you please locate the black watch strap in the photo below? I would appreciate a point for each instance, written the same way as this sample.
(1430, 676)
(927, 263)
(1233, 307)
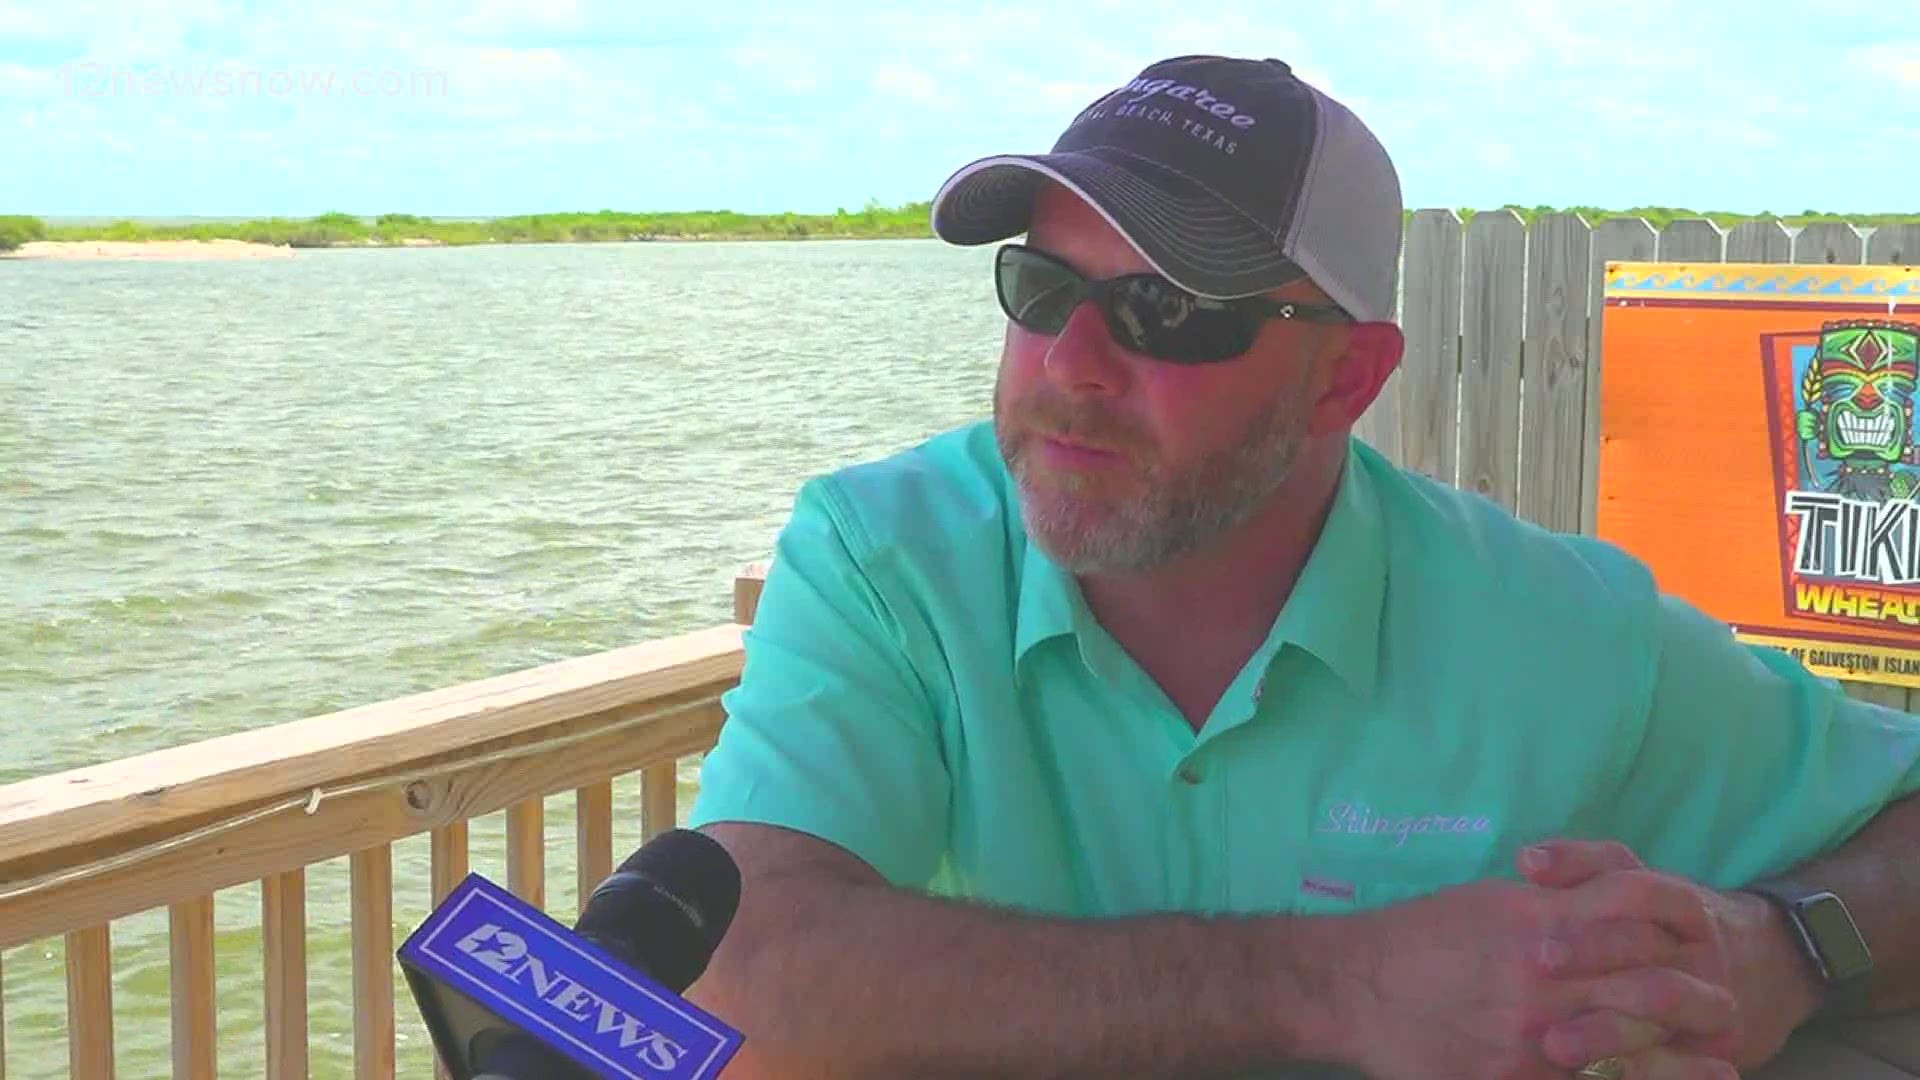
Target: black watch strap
(1830, 941)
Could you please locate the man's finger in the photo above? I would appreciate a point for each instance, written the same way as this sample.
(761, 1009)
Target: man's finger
(1680, 1002)
(1644, 896)
(1563, 864)
(1597, 1034)
(1592, 949)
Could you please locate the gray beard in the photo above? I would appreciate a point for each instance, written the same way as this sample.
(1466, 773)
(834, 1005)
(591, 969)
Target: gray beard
(1180, 513)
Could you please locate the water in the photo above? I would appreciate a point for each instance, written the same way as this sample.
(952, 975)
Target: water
(236, 494)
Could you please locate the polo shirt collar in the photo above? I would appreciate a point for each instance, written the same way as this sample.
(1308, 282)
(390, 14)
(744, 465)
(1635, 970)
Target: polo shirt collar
(1049, 598)
(1334, 612)
(1337, 604)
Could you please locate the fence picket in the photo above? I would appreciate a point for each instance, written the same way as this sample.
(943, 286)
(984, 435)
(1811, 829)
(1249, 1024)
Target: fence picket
(1759, 242)
(1429, 404)
(1828, 242)
(1554, 379)
(1690, 240)
(1614, 240)
(1894, 245)
(1490, 329)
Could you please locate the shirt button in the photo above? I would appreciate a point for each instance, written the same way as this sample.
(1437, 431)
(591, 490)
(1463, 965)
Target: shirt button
(1190, 773)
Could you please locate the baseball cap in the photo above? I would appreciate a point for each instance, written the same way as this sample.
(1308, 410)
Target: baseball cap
(1232, 177)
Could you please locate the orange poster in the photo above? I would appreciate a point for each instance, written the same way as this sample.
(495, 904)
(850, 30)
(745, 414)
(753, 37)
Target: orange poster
(1758, 448)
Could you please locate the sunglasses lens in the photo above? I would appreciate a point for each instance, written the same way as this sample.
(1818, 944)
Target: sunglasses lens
(1145, 314)
(1165, 322)
(1037, 293)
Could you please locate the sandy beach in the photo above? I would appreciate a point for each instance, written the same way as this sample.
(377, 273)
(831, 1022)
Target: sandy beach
(160, 250)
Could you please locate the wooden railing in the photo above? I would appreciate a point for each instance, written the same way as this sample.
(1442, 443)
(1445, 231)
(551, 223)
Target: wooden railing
(170, 829)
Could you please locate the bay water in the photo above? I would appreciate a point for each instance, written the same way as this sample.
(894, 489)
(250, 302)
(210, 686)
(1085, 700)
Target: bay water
(234, 494)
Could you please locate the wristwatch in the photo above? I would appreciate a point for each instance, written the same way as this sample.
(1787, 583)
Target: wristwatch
(1829, 939)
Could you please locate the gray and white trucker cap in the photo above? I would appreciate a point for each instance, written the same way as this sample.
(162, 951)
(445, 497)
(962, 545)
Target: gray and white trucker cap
(1231, 177)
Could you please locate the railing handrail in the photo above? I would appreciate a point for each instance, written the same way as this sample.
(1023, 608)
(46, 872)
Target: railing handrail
(88, 805)
(82, 847)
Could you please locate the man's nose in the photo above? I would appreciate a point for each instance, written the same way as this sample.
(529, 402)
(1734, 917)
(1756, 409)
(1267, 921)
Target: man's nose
(1083, 355)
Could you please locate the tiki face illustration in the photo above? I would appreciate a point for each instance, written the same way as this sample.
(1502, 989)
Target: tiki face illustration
(1860, 387)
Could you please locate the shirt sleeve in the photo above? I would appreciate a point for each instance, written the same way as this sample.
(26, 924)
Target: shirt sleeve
(1748, 763)
(830, 730)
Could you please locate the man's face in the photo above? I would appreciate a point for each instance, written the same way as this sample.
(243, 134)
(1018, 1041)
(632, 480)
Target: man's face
(1125, 462)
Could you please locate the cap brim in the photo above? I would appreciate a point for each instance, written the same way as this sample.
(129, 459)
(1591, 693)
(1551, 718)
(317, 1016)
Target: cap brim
(1191, 235)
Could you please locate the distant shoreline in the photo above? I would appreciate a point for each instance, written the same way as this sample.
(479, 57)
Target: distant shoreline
(146, 250)
(337, 230)
(32, 238)
(225, 249)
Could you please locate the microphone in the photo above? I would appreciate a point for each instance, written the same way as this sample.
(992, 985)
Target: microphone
(509, 994)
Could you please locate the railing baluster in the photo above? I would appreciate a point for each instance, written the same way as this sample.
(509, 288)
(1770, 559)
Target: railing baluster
(373, 1031)
(3, 1022)
(283, 943)
(659, 799)
(449, 869)
(449, 859)
(527, 851)
(593, 836)
(190, 945)
(90, 1004)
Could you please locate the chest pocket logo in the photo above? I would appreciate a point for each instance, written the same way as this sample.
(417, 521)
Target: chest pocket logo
(1359, 819)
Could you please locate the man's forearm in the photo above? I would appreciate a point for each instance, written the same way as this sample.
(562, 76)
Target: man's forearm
(1877, 874)
(853, 980)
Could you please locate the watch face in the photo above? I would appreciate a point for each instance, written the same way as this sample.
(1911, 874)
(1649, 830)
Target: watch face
(1832, 929)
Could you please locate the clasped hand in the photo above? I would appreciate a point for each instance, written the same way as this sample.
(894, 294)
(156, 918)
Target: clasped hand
(1592, 955)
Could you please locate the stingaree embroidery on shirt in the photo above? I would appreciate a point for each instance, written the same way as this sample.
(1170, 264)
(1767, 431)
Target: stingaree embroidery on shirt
(1359, 819)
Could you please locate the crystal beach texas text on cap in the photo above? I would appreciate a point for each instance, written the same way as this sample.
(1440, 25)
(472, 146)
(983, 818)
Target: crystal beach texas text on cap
(1231, 177)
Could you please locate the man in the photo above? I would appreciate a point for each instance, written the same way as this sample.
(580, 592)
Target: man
(1161, 728)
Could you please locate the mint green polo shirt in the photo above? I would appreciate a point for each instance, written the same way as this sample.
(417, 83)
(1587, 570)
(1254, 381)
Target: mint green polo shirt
(926, 689)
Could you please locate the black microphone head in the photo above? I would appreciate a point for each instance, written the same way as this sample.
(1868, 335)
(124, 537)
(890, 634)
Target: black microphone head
(667, 907)
(509, 1054)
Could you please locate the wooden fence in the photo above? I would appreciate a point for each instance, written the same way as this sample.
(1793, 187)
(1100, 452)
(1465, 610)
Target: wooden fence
(1500, 389)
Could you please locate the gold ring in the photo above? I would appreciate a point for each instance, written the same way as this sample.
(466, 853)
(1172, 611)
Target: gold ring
(1607, 1068)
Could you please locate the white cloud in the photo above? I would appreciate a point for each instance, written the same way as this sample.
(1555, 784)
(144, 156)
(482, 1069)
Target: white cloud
(1897, 61)
(786, 69)
(21, 81)
(1064, 94)
(1496, 53)
(501, 18)
(26, 21)
(906, 82)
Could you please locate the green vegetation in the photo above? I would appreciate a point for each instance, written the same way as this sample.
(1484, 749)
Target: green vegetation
(346, 230)
(873, 221)
(15, 231)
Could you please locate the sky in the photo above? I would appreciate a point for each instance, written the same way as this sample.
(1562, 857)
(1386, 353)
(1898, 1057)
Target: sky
(487, 107)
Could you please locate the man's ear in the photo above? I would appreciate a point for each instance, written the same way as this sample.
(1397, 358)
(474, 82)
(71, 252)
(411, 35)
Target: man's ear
(1356, 374)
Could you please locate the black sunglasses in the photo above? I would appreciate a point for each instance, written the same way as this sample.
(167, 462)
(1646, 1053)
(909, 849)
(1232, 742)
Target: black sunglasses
(1145, 313)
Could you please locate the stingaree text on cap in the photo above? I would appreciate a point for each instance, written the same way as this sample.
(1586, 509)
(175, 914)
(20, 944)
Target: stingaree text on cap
(1199, 96)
